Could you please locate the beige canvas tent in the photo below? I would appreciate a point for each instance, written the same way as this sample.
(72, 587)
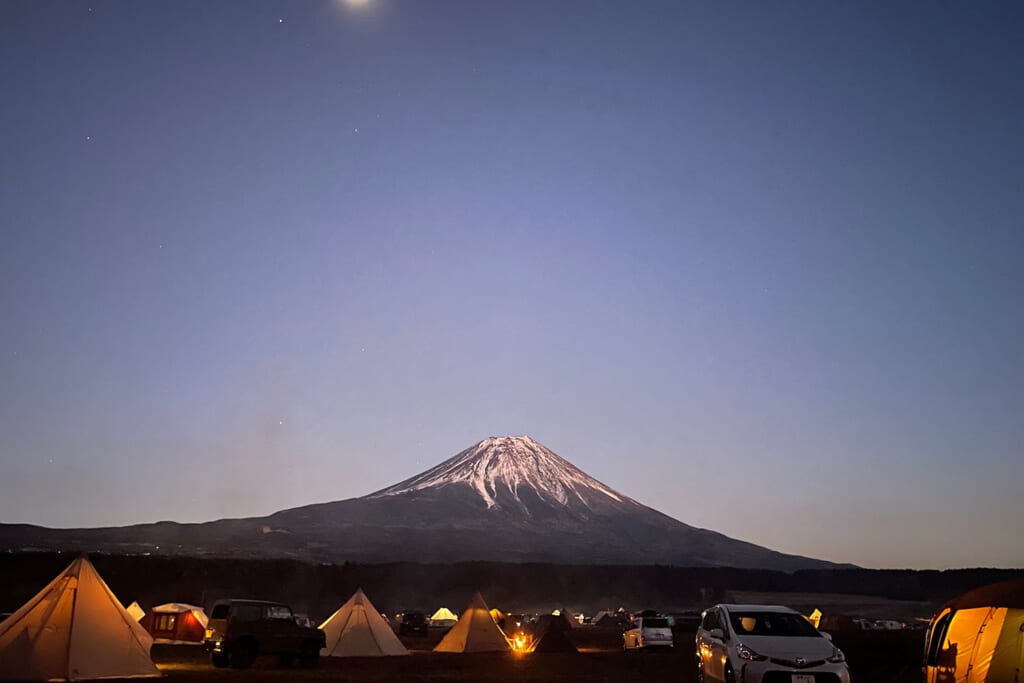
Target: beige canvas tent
(136, 611)
(358, 630)
(443, 617)
(978, 637)
(475, 631)
(74, 630)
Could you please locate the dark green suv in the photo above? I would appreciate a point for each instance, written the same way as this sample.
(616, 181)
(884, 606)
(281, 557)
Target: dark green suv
(240, 630)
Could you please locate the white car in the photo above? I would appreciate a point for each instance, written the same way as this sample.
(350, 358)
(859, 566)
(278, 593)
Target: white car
(765, 644)
(647, 632)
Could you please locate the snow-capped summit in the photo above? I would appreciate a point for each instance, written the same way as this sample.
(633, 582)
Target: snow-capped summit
(503, 466)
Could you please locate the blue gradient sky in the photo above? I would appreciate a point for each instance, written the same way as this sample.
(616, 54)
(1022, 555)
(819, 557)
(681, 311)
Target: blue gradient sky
(756, 265)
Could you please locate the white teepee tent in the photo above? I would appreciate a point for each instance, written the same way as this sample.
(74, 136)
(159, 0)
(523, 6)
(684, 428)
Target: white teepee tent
(136, 611)
(75, 629)
(358, 630)
(443, 617)
(475, 631)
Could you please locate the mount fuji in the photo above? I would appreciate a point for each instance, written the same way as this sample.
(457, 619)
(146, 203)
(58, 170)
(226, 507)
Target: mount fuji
(505, 499)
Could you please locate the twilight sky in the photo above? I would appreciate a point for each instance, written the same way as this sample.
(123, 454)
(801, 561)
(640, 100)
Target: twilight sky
(759, 266)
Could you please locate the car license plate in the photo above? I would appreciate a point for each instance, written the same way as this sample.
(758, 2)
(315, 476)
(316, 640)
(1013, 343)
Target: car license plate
(803, 678)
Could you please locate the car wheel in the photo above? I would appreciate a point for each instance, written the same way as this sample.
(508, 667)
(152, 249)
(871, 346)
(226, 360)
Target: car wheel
(730, 675)
(309, 654)
(242, 654)
(219, 659)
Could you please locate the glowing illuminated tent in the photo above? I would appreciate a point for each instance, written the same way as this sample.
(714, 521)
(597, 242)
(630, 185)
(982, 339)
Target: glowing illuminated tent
(474, 632)
(135, 609)
(175, 623)
(74, 630)
(978, 637)
(443, 617)
(358, 630)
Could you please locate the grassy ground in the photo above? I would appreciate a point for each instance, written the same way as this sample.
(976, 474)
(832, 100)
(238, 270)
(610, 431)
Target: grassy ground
(875, 657)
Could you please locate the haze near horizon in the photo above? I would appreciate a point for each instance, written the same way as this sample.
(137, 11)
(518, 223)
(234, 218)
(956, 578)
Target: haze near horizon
(757, 267)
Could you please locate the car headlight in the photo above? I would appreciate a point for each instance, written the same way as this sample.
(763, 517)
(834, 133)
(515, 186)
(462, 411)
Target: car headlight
(837, 656)
(746, 653)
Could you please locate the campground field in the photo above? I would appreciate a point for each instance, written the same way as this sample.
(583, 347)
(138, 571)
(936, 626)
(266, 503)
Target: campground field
(875, 657)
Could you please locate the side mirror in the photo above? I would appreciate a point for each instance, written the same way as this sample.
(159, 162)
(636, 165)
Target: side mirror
(827, 636)
(716, 633)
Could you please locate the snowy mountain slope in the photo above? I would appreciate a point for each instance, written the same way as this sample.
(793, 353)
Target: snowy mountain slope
(508, 463)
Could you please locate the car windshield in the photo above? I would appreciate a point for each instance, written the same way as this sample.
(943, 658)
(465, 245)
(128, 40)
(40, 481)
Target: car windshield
(783, 624)
(220, 612)
(651, 622)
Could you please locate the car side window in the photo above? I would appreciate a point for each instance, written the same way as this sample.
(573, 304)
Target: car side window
(718, 621)
(247, 613)
(710, 620)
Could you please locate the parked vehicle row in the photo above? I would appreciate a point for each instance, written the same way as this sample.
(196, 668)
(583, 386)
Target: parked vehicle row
(734, 643)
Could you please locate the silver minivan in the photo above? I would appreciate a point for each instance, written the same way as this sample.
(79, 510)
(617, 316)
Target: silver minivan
(761, 643)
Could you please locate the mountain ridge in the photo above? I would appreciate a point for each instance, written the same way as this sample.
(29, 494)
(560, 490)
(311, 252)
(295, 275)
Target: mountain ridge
(506, 499)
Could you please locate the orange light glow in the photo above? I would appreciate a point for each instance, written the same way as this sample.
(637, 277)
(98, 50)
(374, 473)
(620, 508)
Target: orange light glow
(521, 642)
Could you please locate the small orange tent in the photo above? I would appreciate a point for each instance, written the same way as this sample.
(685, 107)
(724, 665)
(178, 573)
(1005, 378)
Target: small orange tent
(176, 623)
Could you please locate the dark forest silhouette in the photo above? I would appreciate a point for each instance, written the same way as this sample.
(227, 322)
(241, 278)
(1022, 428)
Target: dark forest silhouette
(319, 589)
